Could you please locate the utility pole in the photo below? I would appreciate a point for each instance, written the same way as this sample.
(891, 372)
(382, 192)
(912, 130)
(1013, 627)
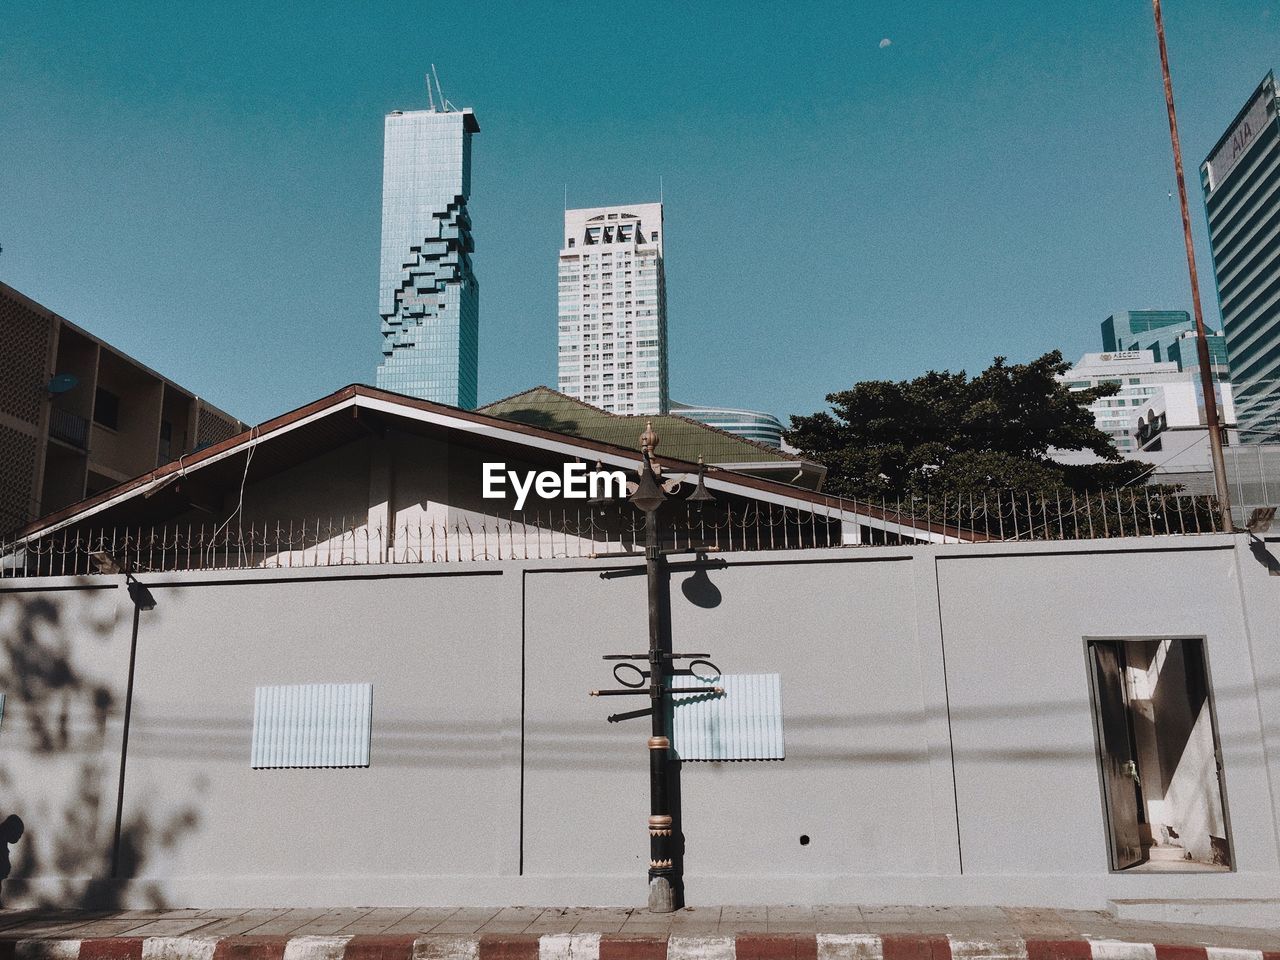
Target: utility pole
(1202, 343)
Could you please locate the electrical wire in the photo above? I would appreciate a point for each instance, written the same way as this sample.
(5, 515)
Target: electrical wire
(240, 504)
(1155, 467)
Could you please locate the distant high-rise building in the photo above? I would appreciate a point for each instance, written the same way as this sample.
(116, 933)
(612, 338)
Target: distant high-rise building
(613, 309)
(1139, 379)
(1168, 334)
(1184, 352)
(428, 296)
(752, 424)
(1241, 184)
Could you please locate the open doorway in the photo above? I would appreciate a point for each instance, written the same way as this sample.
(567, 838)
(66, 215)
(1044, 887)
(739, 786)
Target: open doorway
(1158, 750)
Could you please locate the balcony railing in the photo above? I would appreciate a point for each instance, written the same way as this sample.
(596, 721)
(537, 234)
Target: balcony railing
(69, 428)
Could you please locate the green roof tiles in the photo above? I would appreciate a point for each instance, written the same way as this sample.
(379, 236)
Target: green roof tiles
(680, 438)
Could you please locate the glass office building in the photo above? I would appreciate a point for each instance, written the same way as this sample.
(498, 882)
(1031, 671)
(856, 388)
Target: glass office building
(428, 296)
(1241, 184)
(613, 309)
(1185, 353)
(1169, 335)
(751, 424)
(1150, 330)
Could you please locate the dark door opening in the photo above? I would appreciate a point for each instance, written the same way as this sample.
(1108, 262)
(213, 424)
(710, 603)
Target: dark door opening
(1159, 756)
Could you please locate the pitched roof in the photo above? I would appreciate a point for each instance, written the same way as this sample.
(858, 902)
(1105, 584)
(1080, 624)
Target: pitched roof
(302, 433)
(681, 437)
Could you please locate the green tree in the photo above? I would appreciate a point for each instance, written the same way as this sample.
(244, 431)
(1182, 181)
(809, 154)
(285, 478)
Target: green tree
(948, 432)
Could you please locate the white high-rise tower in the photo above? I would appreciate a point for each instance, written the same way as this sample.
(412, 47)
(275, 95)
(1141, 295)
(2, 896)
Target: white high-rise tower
(613, 309)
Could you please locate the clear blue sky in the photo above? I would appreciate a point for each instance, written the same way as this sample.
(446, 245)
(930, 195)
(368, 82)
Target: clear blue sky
(200, 184)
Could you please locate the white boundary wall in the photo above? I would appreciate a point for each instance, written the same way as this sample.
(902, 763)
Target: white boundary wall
(940, 743)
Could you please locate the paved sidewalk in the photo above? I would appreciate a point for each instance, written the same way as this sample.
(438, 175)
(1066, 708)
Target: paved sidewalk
(607, 933)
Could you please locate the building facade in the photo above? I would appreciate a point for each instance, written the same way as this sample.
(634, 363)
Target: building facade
(1139, 377)
(78, 416)
(1184, 352)
(1173, 423)
(613, 309)
(1168, 334)
(1241, 184)
(428, 296)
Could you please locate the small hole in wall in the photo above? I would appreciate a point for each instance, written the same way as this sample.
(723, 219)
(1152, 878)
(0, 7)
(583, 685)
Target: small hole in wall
(804, 839)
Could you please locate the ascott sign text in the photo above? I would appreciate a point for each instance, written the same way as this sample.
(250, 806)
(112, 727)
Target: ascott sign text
(574, 482)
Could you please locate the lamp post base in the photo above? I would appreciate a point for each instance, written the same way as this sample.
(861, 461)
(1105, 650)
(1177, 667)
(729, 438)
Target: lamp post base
(661, 896)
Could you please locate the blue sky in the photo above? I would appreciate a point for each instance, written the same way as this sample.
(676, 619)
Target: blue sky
(200, 184)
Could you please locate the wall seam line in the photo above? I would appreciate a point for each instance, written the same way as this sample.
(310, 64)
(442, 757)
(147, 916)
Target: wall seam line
(523, 711)
(1257, 702)
(946, 693)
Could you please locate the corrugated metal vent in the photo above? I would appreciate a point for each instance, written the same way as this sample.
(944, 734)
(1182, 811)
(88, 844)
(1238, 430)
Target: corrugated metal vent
(312, 725)
(743, 724)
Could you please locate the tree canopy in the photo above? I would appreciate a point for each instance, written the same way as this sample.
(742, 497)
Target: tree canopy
(948, 432)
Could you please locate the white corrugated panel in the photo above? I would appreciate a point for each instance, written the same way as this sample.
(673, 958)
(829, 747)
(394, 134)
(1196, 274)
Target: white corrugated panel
(312, 725)
(743, 724)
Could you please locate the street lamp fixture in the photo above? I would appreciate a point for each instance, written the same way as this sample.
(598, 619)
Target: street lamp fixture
(701, 496)
(663, 826)
(648, 495)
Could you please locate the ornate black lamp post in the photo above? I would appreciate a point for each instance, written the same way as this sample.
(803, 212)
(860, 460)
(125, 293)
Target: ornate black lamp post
(649, 497)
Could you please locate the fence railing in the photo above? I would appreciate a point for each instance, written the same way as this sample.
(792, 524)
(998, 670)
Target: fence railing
(612, 531)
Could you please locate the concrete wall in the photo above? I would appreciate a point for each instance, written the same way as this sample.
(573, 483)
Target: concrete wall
(64, 661)
(1022, 725)
(939, 732)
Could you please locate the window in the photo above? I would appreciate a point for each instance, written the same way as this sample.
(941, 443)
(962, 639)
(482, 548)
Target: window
(106, 409)
(166, 441)
(743, 723)
(312, 725)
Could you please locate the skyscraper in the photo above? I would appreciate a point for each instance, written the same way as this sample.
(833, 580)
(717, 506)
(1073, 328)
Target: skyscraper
(613, 309)
(1144, 330)
(1241, 184)
(1168, 334)
(428, 296)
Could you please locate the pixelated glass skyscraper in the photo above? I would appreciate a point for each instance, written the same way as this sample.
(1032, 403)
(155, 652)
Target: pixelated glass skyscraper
(428, 296)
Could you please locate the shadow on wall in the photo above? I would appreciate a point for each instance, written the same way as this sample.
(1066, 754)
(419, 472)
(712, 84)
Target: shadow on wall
(11, 831)
(699, 589)
(74, 851)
